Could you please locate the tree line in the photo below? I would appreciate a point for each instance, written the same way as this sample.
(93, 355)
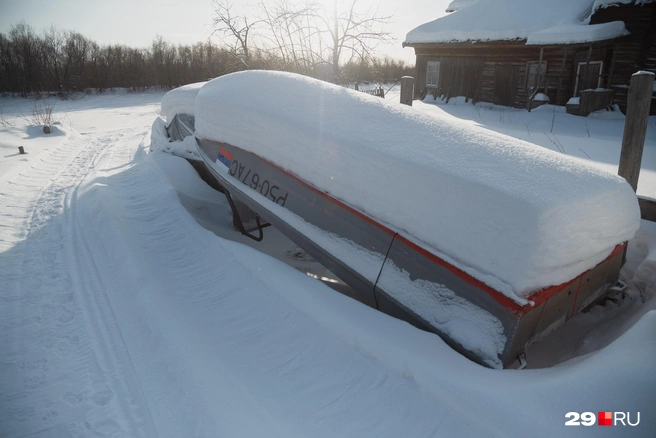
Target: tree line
(60, 61)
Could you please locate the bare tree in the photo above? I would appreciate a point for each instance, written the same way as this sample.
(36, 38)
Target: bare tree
(306, 35)
(288, 36)
(235, 28)
(54, 40)
(27, 56)
(292, 34)
(353, 32)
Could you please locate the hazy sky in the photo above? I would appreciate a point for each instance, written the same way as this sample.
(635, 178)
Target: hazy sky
(137, 22)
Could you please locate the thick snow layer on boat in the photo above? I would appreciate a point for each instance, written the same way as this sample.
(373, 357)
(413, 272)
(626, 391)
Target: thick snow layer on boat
(513, 215)
(491, 20)
(180, 100)
(458, 4)
(642, 261)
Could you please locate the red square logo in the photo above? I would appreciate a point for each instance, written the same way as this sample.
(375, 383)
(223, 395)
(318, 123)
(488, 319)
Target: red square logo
(605, 419)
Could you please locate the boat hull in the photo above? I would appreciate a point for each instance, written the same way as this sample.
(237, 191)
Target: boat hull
(396, 274)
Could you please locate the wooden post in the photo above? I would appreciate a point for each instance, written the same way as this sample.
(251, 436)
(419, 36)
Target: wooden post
(635, 126)
(560, 79)
(635, 130)
(407, 89)
(21, 150)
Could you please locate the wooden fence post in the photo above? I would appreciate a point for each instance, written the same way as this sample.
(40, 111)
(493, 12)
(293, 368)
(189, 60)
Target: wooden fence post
(635, 126)
(407, 89)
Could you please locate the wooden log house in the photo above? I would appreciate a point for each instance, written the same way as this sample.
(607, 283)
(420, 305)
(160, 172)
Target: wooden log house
(598, 50)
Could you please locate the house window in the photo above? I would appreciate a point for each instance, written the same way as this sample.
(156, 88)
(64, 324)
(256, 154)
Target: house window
(534, 76)
(588, 75)
(432, 73)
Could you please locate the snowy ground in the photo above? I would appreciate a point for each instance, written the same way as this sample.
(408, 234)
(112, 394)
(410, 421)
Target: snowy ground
(122, 315)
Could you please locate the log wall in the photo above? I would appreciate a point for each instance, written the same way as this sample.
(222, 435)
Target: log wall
(497, 72)
(635, 52)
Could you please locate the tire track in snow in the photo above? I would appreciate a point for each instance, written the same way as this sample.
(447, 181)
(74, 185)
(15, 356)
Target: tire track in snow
(110, 344)
(32, 202)
(56, 378)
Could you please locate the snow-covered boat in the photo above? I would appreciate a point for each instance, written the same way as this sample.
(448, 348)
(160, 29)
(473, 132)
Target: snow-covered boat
(178, 108)
(490, 242)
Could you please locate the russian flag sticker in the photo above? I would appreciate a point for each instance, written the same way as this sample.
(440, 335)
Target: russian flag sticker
(224, 156)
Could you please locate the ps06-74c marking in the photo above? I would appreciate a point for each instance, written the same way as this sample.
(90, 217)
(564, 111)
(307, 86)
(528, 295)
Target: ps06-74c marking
(253, 180)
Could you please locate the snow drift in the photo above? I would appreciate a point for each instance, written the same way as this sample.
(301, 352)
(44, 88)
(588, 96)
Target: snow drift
(641, 262)
(516, 217)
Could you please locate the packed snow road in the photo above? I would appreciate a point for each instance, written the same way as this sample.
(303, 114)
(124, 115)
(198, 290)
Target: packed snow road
(63, 348)
(121, 316)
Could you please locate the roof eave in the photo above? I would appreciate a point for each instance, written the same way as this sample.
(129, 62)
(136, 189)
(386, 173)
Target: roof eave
(516, 42)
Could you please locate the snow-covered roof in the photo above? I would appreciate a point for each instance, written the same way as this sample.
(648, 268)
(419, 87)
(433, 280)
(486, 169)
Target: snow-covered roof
(571, 33)
(515, 216)
(598, 4)
(537, 21)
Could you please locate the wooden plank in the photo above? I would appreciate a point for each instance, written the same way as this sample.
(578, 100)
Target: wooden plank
(560, 77)
(635, 126)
